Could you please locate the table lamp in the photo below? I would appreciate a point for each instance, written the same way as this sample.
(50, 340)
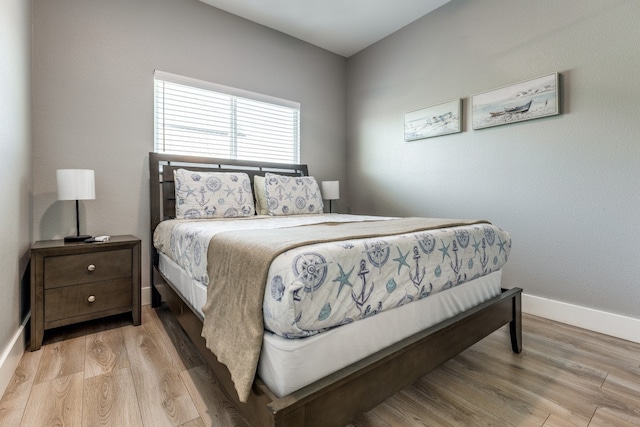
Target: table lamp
(330, 191)
(76, 184)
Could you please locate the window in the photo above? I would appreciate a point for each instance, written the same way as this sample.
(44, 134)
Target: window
(205, 119)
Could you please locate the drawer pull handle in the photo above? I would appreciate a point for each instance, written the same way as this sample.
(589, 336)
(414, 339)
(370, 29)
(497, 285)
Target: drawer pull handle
(91, 267)
(91, 298)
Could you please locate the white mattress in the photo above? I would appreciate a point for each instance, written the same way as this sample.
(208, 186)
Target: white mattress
(194, 292)
(304, 286)
(287, 365)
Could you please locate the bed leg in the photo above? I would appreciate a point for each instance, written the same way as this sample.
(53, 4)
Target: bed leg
(515, 325)
(156, 298)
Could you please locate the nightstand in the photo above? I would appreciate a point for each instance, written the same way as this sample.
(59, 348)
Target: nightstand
(75, 282)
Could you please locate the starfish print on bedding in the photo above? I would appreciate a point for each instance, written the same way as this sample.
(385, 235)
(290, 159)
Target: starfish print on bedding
(476, 246)
(190, 192)
(501, 245)
(401, 260)
(445, 250)
(343, 278)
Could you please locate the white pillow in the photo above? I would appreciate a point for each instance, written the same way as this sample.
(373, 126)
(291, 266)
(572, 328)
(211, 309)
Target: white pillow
(261, 197)
(212, 194)
(292, 195)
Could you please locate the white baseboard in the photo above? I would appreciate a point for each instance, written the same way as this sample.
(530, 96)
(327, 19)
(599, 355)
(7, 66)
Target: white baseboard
(145, 297)
(12, 354)
(627, 328)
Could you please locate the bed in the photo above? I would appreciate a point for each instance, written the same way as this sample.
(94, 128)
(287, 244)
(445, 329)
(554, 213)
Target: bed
(333, 397)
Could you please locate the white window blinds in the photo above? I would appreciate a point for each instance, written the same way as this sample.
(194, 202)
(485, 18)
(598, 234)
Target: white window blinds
(205, 119)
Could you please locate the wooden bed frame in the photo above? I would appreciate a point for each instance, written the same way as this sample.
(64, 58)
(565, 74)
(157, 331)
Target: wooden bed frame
(338, 398)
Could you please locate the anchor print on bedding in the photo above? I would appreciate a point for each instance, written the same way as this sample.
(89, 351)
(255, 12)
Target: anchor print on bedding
(188, 240)
(320, 286)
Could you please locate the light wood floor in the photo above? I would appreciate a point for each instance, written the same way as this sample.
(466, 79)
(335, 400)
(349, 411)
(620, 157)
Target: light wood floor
(109, 373)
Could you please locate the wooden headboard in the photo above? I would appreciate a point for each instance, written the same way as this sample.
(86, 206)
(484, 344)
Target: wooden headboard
(162, 190)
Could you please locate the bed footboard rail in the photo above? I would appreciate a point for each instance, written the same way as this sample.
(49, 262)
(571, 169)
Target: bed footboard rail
(338, 398)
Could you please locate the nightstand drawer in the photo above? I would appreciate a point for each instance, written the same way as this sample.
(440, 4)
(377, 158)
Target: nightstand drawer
(79, 300)
(89, 267)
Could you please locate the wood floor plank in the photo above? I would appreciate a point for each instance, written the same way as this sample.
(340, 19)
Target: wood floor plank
(105, 352)
(627, 385)
(422, 405)
(57, 402)
(621, 399)
(547, 363)
(588, 343)
(60, 359)
(163, 398)
(211, 402)
(559, 421)
(603, 418)
(563, 371)
(544, 342)
(16, 395)
(594, 341)
(610, 364)
(511, 384)
(194, 423)
(504, 405)
(369, 419)
(110, 400)
(393, 412)
(214, 407)
(572, 396)
(111, 373)
(180, 348)
(454, 409)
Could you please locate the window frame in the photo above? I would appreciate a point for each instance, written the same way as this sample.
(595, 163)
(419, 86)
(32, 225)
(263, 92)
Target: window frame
(236, 95)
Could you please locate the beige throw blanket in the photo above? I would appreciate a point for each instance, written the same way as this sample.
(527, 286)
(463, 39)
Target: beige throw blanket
(238, 265)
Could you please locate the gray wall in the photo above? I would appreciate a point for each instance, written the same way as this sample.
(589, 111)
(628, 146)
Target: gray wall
(93, 64)
(565, 187)
(15, 152)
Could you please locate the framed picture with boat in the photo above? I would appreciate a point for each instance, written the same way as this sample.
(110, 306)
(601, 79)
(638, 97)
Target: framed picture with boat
(441, 119)
(526, 100)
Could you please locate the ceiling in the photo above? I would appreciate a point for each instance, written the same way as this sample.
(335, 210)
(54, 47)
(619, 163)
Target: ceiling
(340, 26)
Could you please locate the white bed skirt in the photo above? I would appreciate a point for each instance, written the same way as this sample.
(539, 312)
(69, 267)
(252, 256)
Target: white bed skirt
(287, 365)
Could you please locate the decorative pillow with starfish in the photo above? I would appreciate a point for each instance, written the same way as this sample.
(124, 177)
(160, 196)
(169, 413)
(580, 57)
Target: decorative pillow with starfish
(212, 194)
(292, 195)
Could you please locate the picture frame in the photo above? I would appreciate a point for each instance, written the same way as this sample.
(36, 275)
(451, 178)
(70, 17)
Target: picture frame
(437, 120)
(525, 100)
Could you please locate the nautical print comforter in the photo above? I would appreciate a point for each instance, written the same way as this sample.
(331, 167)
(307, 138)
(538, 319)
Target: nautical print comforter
(186, 241)
(316, 287)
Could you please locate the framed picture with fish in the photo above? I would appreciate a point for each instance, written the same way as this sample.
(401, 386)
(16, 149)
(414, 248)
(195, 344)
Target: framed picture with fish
(441, 119)
(526, 100)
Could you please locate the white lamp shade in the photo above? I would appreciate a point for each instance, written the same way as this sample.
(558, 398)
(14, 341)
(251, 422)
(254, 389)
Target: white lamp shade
(76, 184)
(331, 190)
